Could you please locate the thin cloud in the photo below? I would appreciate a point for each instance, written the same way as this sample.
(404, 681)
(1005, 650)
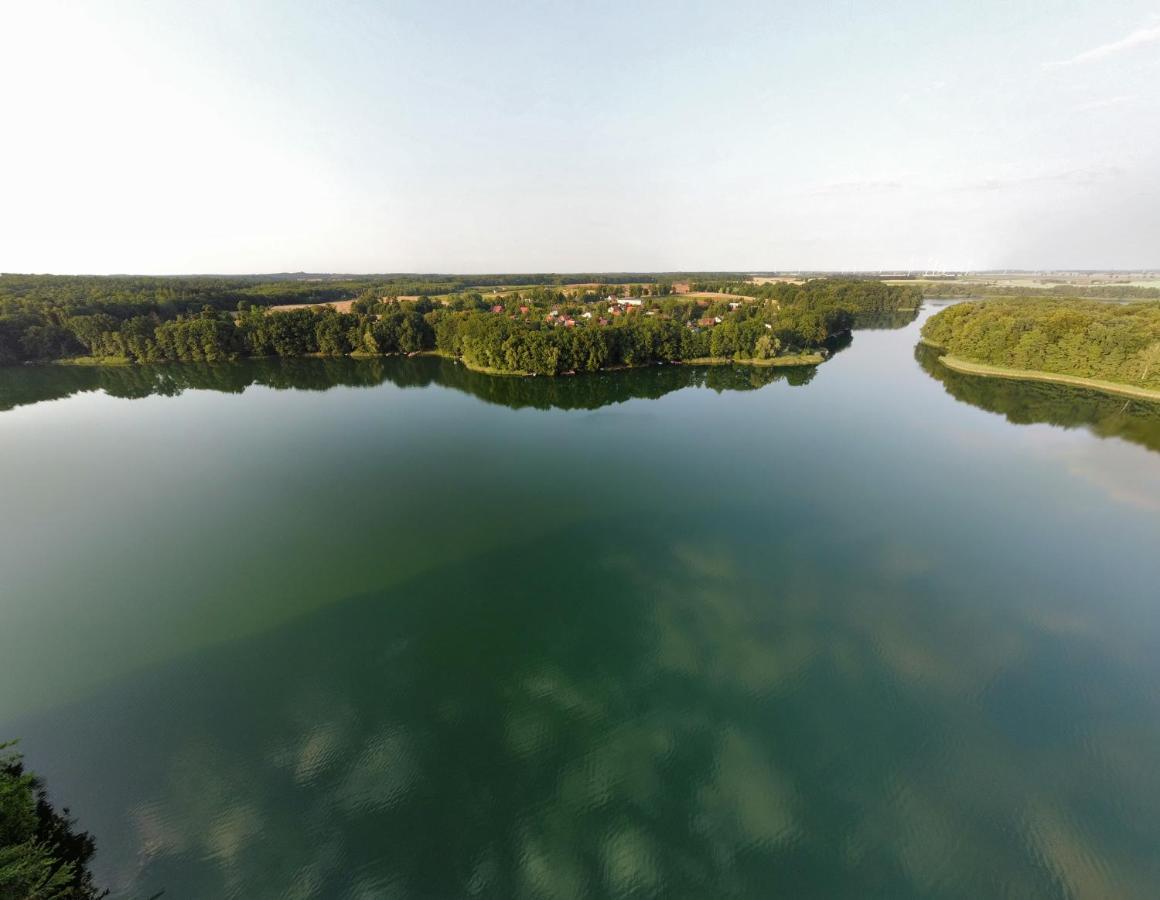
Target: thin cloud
(1083, 177)
(1141, 37)
(927, 90)
(1104, 103)
(858, 187)
(1086, 176)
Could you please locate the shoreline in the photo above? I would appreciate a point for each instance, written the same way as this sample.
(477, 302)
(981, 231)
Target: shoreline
(798, 359)
(985, 370)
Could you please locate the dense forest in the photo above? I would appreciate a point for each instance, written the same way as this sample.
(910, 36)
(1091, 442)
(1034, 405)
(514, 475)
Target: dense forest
(1086, 339)
(1078, 291)
(542, 329)
(42, 855)
(858, 295)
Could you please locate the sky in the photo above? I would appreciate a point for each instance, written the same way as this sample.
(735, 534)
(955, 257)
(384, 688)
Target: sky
(158, 137)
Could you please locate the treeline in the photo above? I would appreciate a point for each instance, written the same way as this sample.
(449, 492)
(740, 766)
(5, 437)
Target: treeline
(543, 330)
(518, 345)
(1086, 339)
(855, 295)
(213, 336)
(1078, 291)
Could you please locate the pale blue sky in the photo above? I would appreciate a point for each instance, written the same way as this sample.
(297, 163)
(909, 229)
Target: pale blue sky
(158, 137)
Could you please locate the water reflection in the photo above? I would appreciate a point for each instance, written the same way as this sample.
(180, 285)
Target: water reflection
(885, 321)
(726, 662)
(670, 721)
(1030, 402)
(20, 386)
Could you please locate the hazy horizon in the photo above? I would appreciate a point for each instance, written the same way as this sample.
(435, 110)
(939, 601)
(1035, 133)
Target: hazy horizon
(155, 138)
(1137, 270)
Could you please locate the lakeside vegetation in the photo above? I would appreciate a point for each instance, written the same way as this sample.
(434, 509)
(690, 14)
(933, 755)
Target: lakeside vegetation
(42, 855)
(967, 367)
(543, 329)
(1024, 402)
(1109, 346)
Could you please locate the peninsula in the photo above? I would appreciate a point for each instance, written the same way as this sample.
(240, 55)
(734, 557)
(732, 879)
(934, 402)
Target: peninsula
(1111, 347)
(504, 325)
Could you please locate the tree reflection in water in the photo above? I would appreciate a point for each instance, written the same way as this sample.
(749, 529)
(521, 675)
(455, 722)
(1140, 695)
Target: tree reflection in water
(24, 385)
(1031, 402)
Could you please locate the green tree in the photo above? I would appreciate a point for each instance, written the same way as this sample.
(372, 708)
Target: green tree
(42, 855)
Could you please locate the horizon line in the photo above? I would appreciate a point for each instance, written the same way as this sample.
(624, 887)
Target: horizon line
(948, 272)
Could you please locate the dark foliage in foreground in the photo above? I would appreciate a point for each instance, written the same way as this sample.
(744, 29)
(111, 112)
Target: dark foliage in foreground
(42, 855)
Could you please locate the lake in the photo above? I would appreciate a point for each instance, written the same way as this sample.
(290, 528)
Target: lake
(387, 628)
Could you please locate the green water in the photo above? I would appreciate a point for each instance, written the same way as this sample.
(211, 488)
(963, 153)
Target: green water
(387, 628)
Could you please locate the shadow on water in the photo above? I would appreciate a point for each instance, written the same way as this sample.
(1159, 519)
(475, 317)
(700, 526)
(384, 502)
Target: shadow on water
(20, 386)
(1032, 402)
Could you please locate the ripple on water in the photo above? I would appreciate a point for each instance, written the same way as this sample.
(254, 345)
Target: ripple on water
(381, 775)
(1058, 842)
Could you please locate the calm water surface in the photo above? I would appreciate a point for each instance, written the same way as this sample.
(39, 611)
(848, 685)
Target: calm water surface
(389, 629)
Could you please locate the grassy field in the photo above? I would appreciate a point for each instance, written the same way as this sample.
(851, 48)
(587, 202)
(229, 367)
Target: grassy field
(715, 295)
(1112, 387)
(343, 306)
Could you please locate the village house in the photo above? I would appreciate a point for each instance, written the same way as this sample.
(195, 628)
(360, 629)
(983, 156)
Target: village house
(497, 308)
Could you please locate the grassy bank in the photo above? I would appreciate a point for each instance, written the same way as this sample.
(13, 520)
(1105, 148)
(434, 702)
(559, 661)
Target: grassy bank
(94, 361)
(1112, 387)
(799, 359)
